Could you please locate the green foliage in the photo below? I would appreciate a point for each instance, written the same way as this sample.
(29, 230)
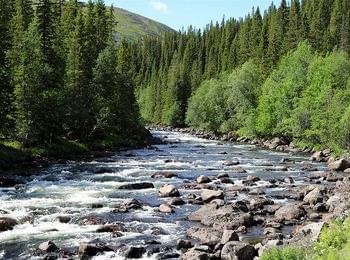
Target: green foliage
(227, 103)
(287, 253)
(281, 91)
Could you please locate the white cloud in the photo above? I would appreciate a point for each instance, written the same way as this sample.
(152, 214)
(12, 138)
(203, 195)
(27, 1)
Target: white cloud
(160, 7)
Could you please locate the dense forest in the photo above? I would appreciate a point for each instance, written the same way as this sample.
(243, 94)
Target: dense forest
(62, 75)
(281, 73)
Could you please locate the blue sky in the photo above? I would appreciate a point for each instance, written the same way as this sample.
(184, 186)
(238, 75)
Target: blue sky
(182, 13)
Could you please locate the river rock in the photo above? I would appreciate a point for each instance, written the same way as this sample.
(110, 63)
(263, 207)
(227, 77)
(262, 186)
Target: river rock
(203, 211)
(227, 217)
(259, 203)
(193, 254)
(92, 249)
(237, 250)
(339, 165)
(183, 244)
(169, 191)
(207, 236)
(176, 201)
(309, 233)
(231, 163)
(48, 247)
(136, 186)
(113, 228)
(165, 208)
(313, 197)
(320, 207)
(288, 180)
(64, 219)
(203, 179)
(7, 223)
(290, 212)
(257, 191)
(166, 175)
(228, 236)
(218, 202)
(134, 252)
(209, 195)
(102, 170)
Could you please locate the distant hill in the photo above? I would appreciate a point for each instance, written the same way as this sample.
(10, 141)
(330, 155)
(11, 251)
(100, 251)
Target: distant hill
(133, 26)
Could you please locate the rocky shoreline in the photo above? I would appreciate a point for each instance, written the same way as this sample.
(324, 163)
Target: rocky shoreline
(219, 227)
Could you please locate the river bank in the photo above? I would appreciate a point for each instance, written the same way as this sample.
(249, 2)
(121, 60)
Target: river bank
(189, 197)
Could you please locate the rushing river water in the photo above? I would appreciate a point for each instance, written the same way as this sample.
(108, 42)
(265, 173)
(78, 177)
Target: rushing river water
(77, 191)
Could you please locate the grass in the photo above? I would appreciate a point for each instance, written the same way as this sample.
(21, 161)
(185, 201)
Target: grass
(133, 26)
(333, 244)
(12, 153)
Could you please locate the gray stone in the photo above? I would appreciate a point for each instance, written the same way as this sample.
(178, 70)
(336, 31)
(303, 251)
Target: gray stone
(228, 236)
(237, 250)
(169, 191)
(209, 195)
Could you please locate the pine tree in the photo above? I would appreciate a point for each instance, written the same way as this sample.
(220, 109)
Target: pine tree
(6, 9)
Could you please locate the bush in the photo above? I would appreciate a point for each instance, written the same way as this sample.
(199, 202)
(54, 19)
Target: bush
(287, 253)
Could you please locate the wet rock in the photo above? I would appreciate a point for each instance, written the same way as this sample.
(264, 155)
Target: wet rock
(113, 228)
(202, 212)
(251, 180)
(92, 249)
(64, 219)
(132, 204)
(226, 181)
(237, 250)
(176, 201)
(318, 156)
(339, 165)
(137, 186)
(313, 197)
(166, 175)
(203, 179)
(222, 175)
(207, 236)
(231, 163)
(236, 188)
(259, 203)
(183, 244)
(320, 207)
(209, 195)
(96, 206)
(134, 252)
(222, 153)
(7, 223)
(271, 209)
(228, 236)
(169, 191)
(334, 177)
(290, 212)
(7, 182)
(165, 208)
(289, 180)
(193, 254)
(48, 247)
(102, 170)
(238, 170)
(257, 191)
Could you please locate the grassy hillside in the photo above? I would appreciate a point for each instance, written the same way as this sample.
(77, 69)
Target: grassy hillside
(133, 26)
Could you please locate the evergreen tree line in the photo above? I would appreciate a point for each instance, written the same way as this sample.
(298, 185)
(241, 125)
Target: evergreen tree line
(62, 75)
(170, 69)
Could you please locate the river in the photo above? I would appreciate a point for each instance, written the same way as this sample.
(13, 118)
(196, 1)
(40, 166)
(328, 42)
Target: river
(87, 193)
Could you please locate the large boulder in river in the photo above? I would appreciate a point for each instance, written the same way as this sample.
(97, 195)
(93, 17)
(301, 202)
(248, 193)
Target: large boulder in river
(207, 236)
(203, 211)
(137, 186)
(209, 195)
(237, 250)
(339, 165)
(290, 212)
(313, 197)
(166, 175)
(7, 223)
(169, 191)
(203, 179)
(227, 217)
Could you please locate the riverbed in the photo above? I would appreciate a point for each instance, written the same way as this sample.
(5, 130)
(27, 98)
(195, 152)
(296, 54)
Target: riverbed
(87, 194)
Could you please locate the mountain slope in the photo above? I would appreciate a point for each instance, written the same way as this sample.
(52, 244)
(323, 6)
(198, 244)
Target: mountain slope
(133, 26)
